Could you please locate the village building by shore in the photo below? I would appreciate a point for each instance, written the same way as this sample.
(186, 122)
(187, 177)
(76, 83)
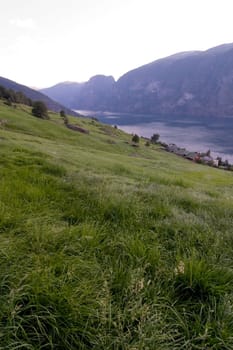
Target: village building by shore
(199, 157)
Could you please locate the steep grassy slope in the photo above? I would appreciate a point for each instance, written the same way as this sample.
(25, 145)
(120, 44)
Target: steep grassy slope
(108, 246)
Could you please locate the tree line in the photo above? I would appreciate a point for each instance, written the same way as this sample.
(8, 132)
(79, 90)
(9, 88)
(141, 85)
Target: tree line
(11, 96)
(39, 109)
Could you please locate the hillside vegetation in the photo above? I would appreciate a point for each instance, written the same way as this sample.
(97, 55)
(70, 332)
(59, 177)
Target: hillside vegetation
(108, 246)
(15, 92)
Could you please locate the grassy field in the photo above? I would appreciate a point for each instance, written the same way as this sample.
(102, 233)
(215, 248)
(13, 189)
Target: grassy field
(109, 246)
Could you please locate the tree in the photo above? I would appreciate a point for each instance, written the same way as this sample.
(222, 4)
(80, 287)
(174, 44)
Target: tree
(208, 153)
(135, 138)
(39, 110)
(62, 113)
(155, 138)
(64, 117)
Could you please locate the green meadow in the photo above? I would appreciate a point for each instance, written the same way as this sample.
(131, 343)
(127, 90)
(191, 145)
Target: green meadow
(104, 245)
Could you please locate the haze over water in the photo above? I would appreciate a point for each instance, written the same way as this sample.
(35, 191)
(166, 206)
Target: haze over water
(194, 134)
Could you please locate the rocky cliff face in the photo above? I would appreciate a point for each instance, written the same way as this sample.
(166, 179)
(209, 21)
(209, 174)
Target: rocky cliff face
(96, 94)
(195, 83)
(191, 83)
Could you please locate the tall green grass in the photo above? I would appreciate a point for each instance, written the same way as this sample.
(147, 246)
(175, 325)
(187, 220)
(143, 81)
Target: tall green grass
(103, 246)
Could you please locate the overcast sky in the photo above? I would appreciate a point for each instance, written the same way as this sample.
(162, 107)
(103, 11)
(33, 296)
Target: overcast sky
(43, 42)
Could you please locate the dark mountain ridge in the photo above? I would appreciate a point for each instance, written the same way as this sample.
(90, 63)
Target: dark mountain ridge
(199, 83)
(196, 83)
(35, 95)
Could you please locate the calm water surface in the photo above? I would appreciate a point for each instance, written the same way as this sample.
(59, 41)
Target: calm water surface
(199, 134)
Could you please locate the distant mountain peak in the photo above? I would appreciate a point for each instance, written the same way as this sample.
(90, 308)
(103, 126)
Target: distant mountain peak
(197, 83)
(220, 48)
(101, 79)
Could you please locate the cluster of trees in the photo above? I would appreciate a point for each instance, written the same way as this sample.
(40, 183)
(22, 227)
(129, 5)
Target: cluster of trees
(154, 139)
(11, 96)
(39, 108)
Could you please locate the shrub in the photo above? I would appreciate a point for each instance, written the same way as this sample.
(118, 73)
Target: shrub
(64, 117)
(155, 138)
(39, 110)
(135, 138)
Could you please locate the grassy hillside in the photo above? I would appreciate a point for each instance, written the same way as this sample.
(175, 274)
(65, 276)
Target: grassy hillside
(33, 95)
(108, 246)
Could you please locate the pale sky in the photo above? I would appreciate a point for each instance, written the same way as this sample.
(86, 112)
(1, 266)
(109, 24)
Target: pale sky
(44, 42)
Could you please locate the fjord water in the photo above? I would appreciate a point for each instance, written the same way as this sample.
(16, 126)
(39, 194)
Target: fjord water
(195, 134)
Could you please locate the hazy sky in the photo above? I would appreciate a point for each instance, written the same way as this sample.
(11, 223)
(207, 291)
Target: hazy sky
(43, 42)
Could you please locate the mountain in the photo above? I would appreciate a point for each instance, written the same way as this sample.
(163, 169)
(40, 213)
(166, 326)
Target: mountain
(65, 93)
(97, 93)
(198, 83)
(192, 83)
(35, 95)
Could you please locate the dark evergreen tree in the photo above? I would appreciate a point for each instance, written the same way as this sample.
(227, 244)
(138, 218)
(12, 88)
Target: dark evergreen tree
(135, 138)
(64, 117)
(39, 110)
(154, 138)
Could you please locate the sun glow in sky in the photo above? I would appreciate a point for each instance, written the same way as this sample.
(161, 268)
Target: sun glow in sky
(43, 42)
